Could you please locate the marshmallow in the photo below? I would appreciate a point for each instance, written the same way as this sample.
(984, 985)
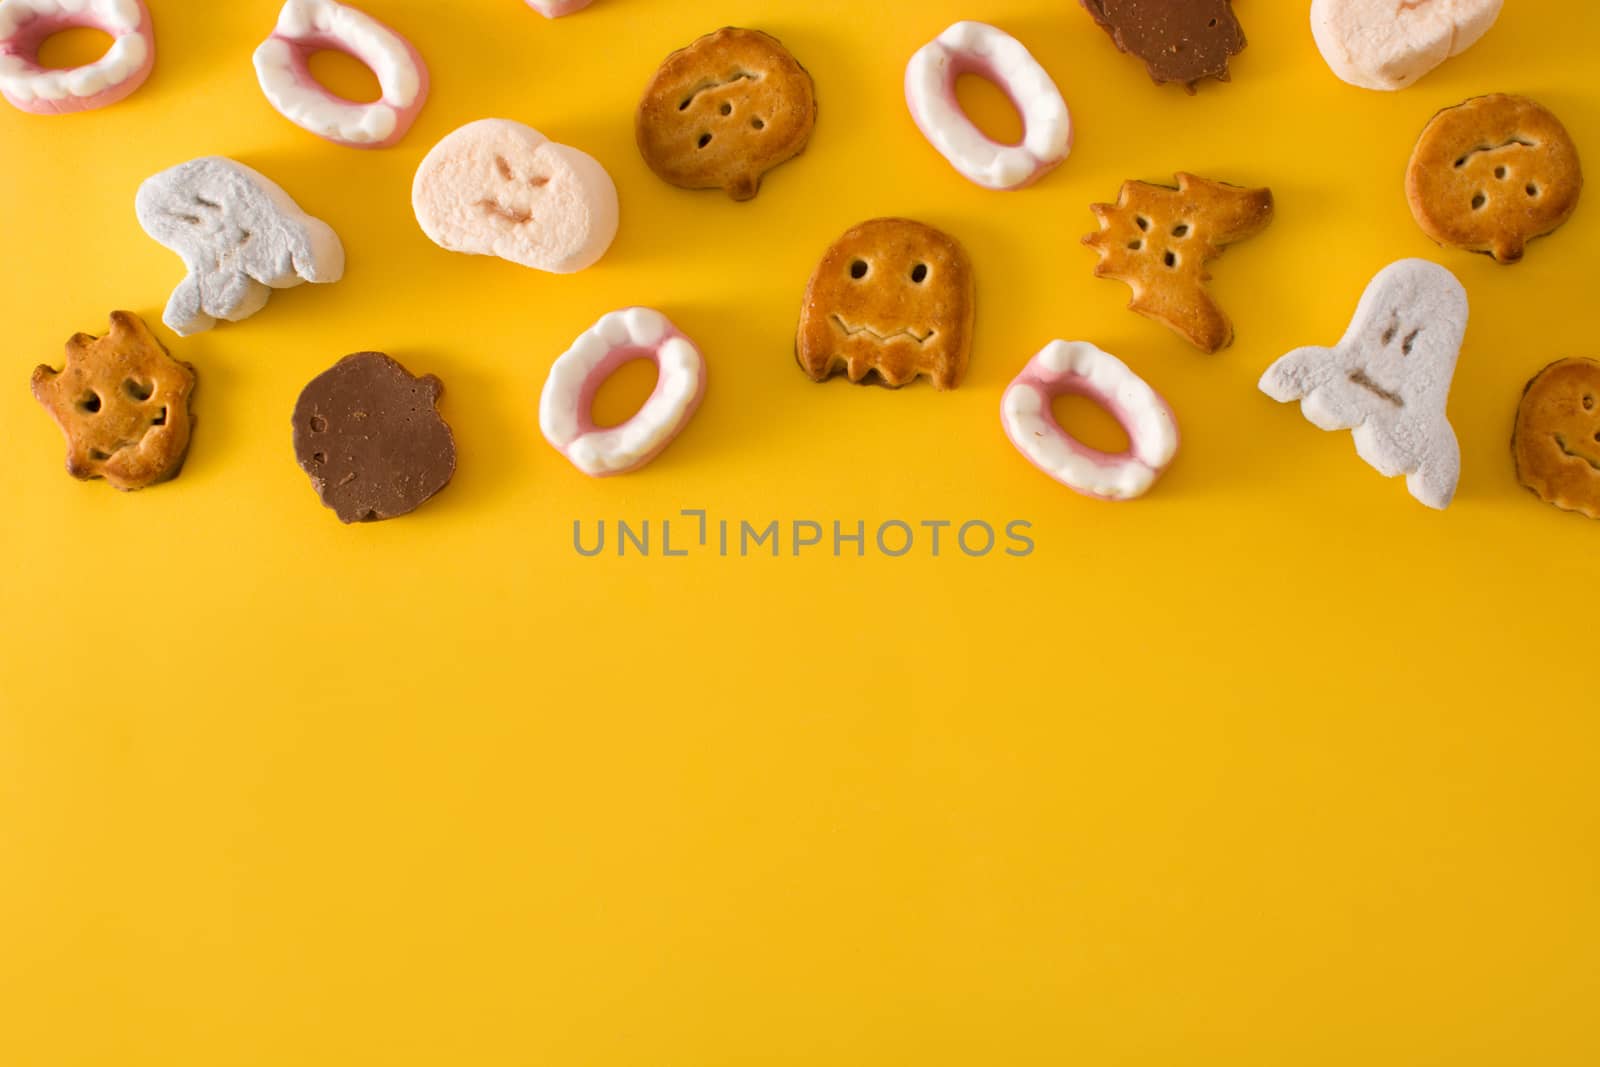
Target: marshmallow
(240, 235)
(1389, 378)
(1379, 44)
(618, 338)
(27, 24)
(1081, 369)
(554, 9)
(977, 48)
(498, 188)
(306, 27)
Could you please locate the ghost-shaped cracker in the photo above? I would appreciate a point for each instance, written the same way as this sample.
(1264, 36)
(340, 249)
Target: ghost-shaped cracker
(1389, 379)
(240, 235)
(499, 188)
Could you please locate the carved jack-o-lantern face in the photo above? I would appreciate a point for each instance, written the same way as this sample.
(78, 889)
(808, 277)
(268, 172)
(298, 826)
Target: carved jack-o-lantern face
(1557, 442)
(724, 111)
(123, 404)
(894, 298)
(1492, 174)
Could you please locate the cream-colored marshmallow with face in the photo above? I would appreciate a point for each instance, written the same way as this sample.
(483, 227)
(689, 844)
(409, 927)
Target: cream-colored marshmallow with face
(499, 188)
(1389, 379)
(1390, 44)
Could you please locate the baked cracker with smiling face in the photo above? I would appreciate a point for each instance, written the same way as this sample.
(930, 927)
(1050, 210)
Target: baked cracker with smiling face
(1556, 444)
(1389, 379)
(892, 298)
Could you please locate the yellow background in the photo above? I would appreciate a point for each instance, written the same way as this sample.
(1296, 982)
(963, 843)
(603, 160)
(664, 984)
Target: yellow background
(1273, 767)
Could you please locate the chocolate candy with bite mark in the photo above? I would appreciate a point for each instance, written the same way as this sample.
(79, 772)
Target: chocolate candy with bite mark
(370, 436)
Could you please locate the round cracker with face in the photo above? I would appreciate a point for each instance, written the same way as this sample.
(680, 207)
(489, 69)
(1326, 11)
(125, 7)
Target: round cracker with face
(892, 298)
(724, 111)
(1556, 445)
(1492, 174)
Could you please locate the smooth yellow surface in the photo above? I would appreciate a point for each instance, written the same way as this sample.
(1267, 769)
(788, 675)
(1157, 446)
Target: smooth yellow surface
(1275, 767)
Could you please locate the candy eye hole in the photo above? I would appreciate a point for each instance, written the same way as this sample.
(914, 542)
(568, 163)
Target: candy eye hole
(1588, 402)
(919, 273)
(90, 403)
(137, 391)
(858, 269)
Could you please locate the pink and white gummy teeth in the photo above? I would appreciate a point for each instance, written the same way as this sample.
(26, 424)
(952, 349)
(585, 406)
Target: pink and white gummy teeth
(978, 48)
(554, 9)
(1079, 368)
(499, 188)
(306, 27)
(27, 24)
(565, 408)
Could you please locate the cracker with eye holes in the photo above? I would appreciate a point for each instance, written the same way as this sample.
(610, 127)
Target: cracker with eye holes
(369, 434)
(1158, 240)
(892, 298)
(1183, 41)
(123, 404)
(724, 111)
(1556, 445)
(1491, 174)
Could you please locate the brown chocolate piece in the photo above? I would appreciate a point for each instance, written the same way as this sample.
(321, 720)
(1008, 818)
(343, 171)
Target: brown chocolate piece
(122, 403)
(1181, 41)
(370, 436)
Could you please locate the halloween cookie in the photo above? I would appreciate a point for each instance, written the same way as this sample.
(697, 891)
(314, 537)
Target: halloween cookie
(1159, 239)
(568, 398)
(894, 298)
(1081, 369)
(1389, 379)
(31, 86)
(977, 48)
(122, 403)
(1183, 41)
(1493, 173)
(724, 111)
(554, 9)
(1379, 44)
(306, 27)
(240, 237)
(499, 188)
(1556, 445)
(370, 436)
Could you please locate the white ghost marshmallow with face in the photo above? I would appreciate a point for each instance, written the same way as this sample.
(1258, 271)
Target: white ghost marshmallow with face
(1389, 379)
(240, 235)
(1390, 44)
(499, 188)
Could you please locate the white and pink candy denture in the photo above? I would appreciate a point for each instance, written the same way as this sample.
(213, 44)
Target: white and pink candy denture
(978, 48)
(306, 27)
(565, 408)
(1081, 369)
(27, 24)
(498, 188)
(554, 9)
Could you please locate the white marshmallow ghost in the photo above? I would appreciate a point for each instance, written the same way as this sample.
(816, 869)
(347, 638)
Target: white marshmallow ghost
(240, 235)
(554, 9)
(1388, 45)
(1389, 379)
